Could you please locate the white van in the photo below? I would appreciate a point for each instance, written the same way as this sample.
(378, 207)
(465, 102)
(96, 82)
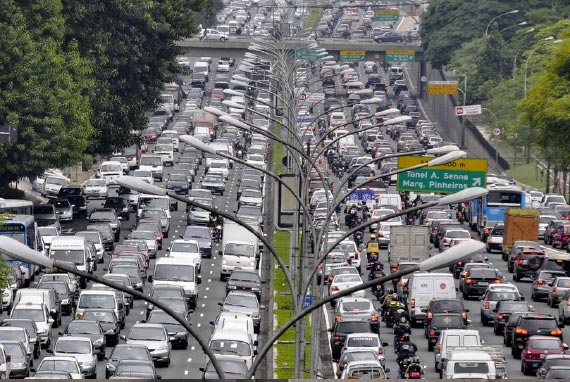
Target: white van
(453, 337)
(156, 201)
(103, 299)
(469, 364)
(152, 163)
(178, 271)
(237, 254)
(202, 133)
(202, 67)
(390, 200)
(173, 135)
(234, 321)
(223, 147)
(424, 287)
(166, 152)
(53, 183)
(110, 171)
(235, 343)
(74, 250)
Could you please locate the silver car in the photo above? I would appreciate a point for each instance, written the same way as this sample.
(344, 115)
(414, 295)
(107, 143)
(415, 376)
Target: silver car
(154, 337)
(558, 288)
(245, 303)
(82, 350)
(160, 214)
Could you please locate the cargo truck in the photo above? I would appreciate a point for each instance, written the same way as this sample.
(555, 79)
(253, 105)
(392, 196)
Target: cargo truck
(474, 362)
(408, 243)
(520, 224)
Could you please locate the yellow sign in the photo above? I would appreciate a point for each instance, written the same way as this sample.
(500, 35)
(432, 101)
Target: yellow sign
(442, 87)
(458, 164)
(352, 55)
(387, 11)
(400, 51)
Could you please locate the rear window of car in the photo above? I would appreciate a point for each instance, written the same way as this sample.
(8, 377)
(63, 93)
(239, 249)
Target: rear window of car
(482, 273)
(449, 321)
(499, 231)
(538, 323)
(547, 344)
(449, 306)
(564, 283)
(355, 306)
(502, 296)
(363, 341)
(512, 306)
(352, 327)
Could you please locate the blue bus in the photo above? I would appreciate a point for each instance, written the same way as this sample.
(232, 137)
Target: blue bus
(24, 229)
(492, 206)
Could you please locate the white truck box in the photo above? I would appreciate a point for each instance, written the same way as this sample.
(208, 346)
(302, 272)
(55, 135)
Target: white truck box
(408, 243)
(473, 361)
(424, 287)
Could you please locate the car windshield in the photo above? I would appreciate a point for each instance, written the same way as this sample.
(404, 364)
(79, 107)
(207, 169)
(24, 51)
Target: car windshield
(233, 367)
(96, 301)
(90, 236)
(545, 344)
(13, 349)
(458, 234)
(241, 300)
(147, 334)
(174, 272)
(161, 317)
(230, 347)
(76, 257)
(349, 278)
(125, 270)
(59, 365)
(96, 182)
(178, 178)
(12, 335)
(37, 315)
(251, 194)
(514, 307)
(83, 327)
(151, 161)
(102, 216)
(58, 287)
(130, 352)
(447, 306)
(184, 247)
(72, 346)
(483, 273)
(143, 173)
(197, 233)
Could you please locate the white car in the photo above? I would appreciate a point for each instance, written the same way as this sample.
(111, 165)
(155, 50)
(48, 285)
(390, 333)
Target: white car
(80, 348)
(256, 160)
(212, 34)
(65, 364)
(365, 341)
(219, 166)
(188, 249)
(166, 152)
(223, 66)
(145, 175)
(345, 281)
(251, 198)
(96, 188)
(349, 248)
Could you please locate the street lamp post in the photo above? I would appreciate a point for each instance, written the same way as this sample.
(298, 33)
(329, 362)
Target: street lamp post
(496, 17)
(522, 23)
(22, 252)
(450, 256)
(520, 50)
(528, 59)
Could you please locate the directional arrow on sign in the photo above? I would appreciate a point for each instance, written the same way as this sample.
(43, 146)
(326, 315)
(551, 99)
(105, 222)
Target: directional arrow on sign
(476, 182)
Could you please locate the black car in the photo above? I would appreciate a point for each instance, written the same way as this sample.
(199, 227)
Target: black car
(477, 280)
(106, 232)
(528, 263)
(176, 332)
(75, 196)
(503, 311)
(343, 328)
(198, 80)
(123, 352)
(63, 294)
(446, 305)
(510, 327)
(120, 205)
(234, 368)
(134, 369)
(176, 303)
(203, 236)
(107, 215)
(442, 321)
(244, 280)
(108, 320)
(389, 37)
(533, 325)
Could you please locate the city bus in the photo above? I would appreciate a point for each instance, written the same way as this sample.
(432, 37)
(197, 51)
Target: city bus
(23, 229)
(492, 206)
(16, 206)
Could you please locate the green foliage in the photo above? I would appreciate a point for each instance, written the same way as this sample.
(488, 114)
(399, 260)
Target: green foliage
(132, 45)
(45, 90)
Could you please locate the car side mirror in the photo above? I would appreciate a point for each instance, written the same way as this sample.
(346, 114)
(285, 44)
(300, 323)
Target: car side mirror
(255, 343)
(220, 303)
(201, 369)
(212, 323)
(255, 352)
(60, 333)
(149, 278)
(123, 337)
(199, 279)
(523, 298)
(8, 358)
(385, 344)
(49, 351)
(158, 376)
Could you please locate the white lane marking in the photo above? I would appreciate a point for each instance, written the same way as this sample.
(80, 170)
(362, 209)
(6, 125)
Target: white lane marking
(205, 297)
(142, 312)
(203, 305)
(185, 372)
(189, 360)
(207, 288)
(201, 314)
(209, 280)
(198, 325)
(192, 348)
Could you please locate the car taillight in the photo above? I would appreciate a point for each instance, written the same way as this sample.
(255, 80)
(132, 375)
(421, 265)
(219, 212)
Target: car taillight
(380, 234)
(497, 281)
(540, 282)
(336, 339)
(521, 331)
(520, 261)
(487, 305)
(393, 269)
(486, 230)
(403, 283)
(380, 350)
(556, 332)
(554, 291)
(335, 288)
(413, 303)
(341, 366)
(356, 255)
(320, 266)
(464, 314)
(469, 281)
(374, 317)
(338, 318)
(500, 317)
(463, 274)
(431, 333)
(438, 346)
(429, 315)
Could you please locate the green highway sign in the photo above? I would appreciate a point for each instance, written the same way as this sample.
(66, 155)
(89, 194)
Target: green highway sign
(401, 55)
(386, 15)
(305, 54)
(352, 55)
(446, 179)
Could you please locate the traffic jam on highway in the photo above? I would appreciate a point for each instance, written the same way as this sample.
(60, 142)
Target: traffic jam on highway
(500, 313)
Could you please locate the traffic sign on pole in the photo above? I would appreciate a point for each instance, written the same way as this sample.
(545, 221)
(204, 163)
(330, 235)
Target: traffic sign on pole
(447, 179)
(401, 55)
(352, 55)
(442, 87)
(360, 195)
(386, 15)
(468, 110)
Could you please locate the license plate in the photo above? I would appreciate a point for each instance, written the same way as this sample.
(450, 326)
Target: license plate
(483, 283)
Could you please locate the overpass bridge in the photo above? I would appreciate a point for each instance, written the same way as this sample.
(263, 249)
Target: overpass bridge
(372, 51)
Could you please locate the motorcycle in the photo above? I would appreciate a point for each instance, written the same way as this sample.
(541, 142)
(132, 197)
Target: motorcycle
(216, 233)
(358, 236)
(372, 257)
(377, 290)
(460, 217)
(413, 371)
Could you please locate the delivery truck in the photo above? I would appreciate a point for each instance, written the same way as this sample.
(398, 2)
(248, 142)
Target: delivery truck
(520, 224)
(474, 362)
(240, 249)
(408, 243)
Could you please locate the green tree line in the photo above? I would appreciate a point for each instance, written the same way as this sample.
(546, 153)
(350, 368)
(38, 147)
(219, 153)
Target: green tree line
(515, 69)
(77, 76)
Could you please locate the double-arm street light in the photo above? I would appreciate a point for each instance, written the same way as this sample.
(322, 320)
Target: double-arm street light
(496, 17)
(522, 23)
(22, 252)
(520, 50)
(528, 59)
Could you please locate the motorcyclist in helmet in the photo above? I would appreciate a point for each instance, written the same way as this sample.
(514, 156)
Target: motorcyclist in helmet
(407, 349)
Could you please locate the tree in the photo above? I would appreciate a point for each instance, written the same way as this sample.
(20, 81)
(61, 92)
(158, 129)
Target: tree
(132, 46)
(45, 91)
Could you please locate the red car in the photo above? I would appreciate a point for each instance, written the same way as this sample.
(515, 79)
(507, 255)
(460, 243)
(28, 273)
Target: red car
(561, 236)
(537, 347)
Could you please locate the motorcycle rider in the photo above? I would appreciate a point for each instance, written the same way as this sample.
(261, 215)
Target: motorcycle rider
(372, 247)
(407, 349)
